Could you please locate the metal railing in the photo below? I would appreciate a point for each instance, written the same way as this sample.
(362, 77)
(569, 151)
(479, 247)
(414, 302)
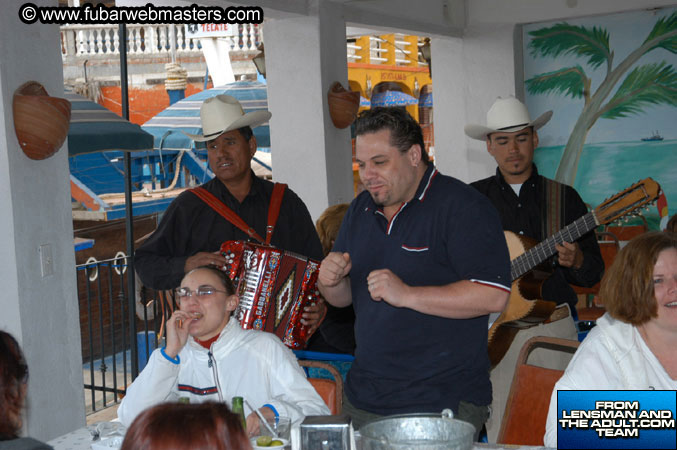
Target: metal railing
(89, 40)
(108, 345)
(104, 40)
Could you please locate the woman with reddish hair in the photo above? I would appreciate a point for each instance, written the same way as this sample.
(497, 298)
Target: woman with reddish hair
(633, 345)
(186, 426)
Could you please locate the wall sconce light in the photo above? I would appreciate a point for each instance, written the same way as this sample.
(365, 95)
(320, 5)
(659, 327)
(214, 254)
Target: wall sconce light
(260, 61)
(417, 88)
(41, 122)
(343, 105)
(368, 90)
(426, 54)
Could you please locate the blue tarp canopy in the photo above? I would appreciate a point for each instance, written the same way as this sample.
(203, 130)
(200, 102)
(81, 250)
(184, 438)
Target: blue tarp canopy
(184, 115)
(94, 128)
(392, 98)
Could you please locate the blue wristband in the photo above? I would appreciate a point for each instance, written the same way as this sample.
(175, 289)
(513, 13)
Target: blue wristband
(272, 408)
(176, 360)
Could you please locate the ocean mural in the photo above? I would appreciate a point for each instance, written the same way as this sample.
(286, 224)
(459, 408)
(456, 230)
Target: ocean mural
(612, 84)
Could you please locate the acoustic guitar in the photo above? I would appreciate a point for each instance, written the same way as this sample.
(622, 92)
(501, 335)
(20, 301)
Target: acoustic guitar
(526, 307)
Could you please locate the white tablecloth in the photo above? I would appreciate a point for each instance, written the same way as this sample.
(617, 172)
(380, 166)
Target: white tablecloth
(81, 439)
(75, 440)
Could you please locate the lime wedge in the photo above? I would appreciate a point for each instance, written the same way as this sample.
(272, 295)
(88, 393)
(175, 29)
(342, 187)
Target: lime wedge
(276, 443)
(264, 441)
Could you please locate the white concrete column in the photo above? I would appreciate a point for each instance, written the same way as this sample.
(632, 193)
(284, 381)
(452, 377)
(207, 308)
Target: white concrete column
(304, 56)
(449, 106)
(489, 65)
(468, 74)
(40, 311)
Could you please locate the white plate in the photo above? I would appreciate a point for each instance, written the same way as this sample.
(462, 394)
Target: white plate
(257, 447)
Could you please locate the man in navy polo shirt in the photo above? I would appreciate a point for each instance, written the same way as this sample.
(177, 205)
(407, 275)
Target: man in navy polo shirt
(423, 260)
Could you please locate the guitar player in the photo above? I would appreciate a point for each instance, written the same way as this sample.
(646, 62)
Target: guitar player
(536, 207)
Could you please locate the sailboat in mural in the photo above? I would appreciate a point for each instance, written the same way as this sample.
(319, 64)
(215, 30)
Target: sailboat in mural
(654, 137)
(627, 89)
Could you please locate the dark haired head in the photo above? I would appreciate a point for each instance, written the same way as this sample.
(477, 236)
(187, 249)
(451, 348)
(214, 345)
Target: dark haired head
(13, 378)
(225, 280)
(181, 426)
(404, 130)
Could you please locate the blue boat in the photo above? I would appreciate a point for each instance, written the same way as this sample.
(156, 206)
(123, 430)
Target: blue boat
(654, 137)
(166, 165)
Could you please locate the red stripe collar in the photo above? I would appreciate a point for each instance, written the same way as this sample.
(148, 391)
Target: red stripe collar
(428, 181)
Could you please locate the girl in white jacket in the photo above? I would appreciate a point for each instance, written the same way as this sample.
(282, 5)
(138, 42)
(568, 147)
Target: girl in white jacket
(210, 357)
(633, 345)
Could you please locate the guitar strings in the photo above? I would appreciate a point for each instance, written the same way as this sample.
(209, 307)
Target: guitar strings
(539, 253)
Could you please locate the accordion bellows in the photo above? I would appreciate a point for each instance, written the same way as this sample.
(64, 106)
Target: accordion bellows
(274, 287)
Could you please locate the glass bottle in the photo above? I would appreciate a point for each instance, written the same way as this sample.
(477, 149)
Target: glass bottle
(238, 408)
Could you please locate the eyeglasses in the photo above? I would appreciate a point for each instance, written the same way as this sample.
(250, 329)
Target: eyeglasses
(202, 291)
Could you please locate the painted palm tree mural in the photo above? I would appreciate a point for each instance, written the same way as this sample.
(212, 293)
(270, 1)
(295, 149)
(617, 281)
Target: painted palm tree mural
(626, 87)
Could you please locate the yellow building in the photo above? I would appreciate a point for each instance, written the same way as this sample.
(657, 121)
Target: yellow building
(392, 62)
(388, 62)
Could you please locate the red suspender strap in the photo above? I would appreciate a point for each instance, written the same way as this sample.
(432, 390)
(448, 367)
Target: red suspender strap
(227, 213)
(274, 209)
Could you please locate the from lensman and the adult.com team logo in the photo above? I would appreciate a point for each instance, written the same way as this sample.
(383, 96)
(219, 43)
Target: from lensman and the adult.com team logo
(616, 419)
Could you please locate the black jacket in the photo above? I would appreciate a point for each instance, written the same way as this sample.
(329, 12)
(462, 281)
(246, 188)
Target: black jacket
(189, 226)
(526, 214)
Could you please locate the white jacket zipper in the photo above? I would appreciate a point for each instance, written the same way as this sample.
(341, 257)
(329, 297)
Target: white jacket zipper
(212, 363)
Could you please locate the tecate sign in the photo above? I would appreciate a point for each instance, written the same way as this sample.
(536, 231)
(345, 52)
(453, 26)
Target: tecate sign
(201, 30)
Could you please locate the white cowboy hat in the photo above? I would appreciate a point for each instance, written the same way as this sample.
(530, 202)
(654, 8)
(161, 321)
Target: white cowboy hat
(223, 113)
(506, 115)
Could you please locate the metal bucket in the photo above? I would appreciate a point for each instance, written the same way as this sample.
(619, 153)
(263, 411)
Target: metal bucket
(417, 431)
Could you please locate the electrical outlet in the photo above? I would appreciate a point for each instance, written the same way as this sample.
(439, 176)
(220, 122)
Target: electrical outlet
(46, 260)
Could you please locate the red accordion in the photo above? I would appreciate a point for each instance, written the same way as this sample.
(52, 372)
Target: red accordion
(274, 287)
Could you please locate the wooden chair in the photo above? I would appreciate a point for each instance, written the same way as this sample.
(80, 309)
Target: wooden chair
(529, 398)
(627, 232)
(609, 246)
(330, 391)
